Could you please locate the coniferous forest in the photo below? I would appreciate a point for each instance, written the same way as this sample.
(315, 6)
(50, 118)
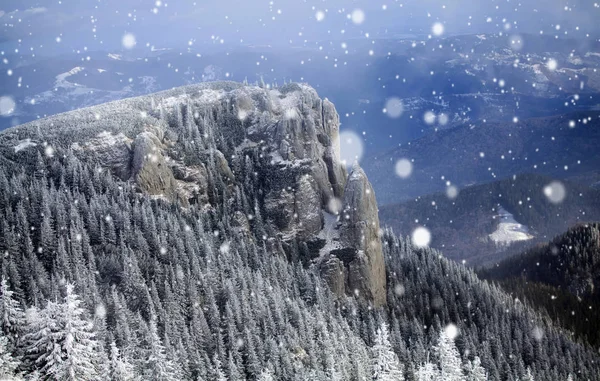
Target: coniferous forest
(102, 281)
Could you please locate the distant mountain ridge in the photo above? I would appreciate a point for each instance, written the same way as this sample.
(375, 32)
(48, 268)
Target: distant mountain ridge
(464, 228)
(562, 146)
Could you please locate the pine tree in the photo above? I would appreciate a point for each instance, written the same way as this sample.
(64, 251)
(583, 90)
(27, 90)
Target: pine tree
(158, 366)
(120, 368)
(78, 342)
(266, 375)
(450, 361)
(219, 374)
(8, 364)
(476, 371)
(528, 376)
(60, 342)
(11, 314)
(428, 372)
(386, 366)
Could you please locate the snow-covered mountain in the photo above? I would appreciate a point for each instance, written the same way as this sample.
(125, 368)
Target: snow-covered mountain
(211, 232)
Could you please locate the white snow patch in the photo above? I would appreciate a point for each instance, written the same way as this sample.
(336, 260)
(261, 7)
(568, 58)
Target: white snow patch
(206, 96)
(509, 230)
(62, 78)
(330, 233)
(24, 144)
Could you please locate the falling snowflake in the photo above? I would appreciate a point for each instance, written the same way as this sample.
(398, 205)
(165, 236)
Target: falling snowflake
(443, 119)
(320, 15)
(437, 29)
(403, 168)
(351, 147)
(421, 237)
(128, 41)
(394, 107)
(358, 16)
(451, 331)
(429, 117)
(452, 192)
(334, 205)
(7, 105)
(399, 289)
(555, 192)
(49, 151)
(552, 64)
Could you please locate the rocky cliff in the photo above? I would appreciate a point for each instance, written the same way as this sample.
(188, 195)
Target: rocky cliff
(264, 161)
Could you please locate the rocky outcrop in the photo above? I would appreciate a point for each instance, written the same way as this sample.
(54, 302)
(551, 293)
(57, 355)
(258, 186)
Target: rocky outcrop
(263, 161)
(358, 265)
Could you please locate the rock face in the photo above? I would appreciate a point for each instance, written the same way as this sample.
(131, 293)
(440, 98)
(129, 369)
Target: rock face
(357, 266)
(266, 158)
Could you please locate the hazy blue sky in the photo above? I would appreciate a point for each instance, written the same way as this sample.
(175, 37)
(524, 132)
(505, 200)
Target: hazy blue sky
(100, 24)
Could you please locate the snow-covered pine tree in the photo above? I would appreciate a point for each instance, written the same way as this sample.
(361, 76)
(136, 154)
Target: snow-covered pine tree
(266, 375)
(75, 340)
(120, 368)
(13, 317)
(386, 366)
(8, 364)
(528, 375)
(449, 358)
(219, 374)
(476, 372)
(39, 339)
(428, 372)
(158, 366)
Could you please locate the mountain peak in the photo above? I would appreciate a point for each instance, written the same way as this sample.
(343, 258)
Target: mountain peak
(225, 146)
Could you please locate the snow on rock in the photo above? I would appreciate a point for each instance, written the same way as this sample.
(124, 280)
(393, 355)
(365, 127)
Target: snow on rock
(509, 230)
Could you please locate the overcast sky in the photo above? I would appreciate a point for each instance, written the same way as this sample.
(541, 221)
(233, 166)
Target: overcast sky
(68, 25)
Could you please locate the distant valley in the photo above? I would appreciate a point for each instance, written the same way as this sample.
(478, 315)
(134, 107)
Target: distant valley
(486, 223)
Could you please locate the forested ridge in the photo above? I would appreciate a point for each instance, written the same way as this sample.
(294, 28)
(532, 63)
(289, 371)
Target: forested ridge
(173, 293)
(560, 277)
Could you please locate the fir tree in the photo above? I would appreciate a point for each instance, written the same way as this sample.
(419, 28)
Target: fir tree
(120, 368)
(8, 364)
(12, 316)
(60, 342)
(449, 358)
(428, 372)
(386, 366)
(475, 371)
